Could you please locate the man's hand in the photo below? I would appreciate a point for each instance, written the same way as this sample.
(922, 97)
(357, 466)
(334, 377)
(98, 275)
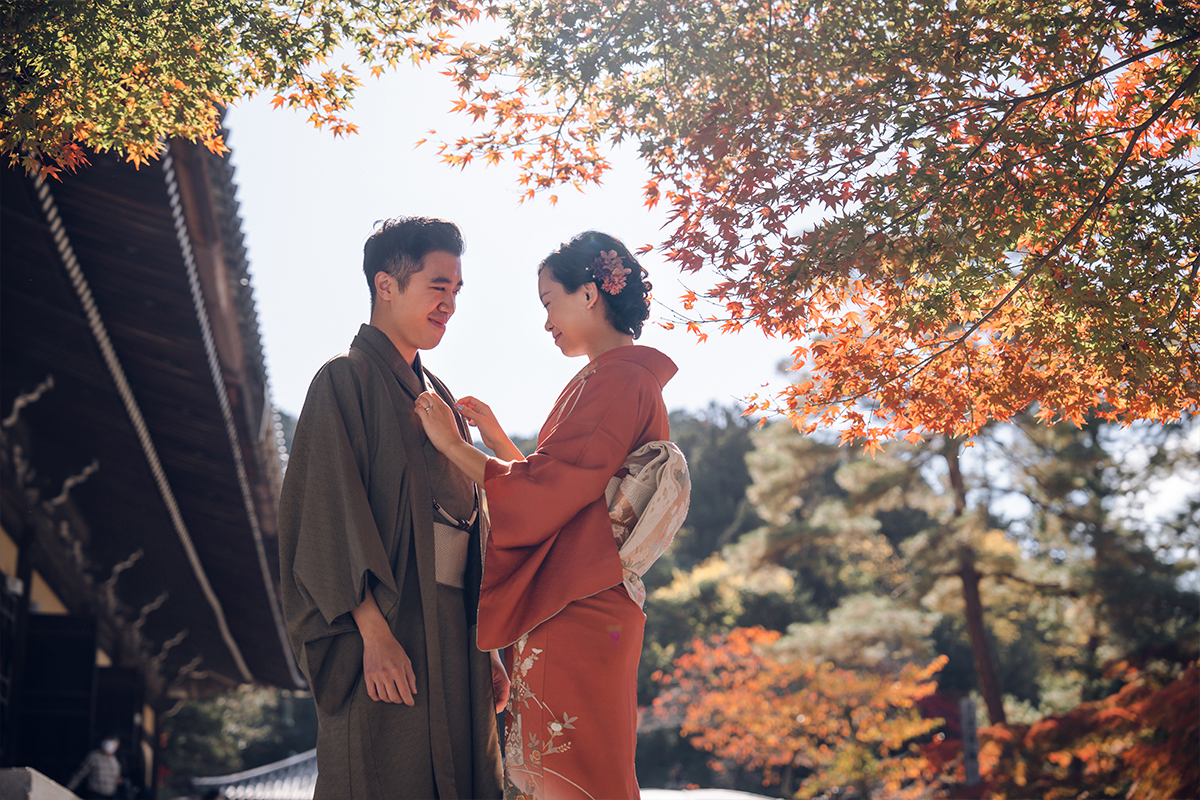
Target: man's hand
(500, 682)
(442, 430)
(438, 421)
(387, 669)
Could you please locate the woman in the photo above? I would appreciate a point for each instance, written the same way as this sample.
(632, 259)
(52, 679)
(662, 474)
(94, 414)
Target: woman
(552, 585)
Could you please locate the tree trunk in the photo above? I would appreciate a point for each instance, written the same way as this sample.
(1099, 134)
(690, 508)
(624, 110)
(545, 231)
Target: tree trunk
(985, 668)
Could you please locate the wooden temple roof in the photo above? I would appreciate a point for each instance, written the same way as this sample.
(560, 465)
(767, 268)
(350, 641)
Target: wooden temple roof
(141, 460)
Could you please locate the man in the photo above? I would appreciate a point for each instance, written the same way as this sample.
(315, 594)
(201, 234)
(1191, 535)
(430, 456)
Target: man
(379, 544)
(102, 770)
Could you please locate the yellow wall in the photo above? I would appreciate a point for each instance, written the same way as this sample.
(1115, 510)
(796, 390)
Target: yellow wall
(40, 593)
(8, 554)
(148, 760)
(148, 721)
(44, 596)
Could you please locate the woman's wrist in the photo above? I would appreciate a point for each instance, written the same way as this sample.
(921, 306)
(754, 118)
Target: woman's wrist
(503, 447)
(497, 444)
(469, 459)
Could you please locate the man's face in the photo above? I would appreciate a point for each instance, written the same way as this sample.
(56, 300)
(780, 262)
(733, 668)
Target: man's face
(415, 319)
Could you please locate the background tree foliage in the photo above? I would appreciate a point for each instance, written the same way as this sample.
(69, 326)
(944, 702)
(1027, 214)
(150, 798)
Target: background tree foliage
(1139, 742)
(1087, 602)
(246, 728)
(123, 76)
(844, 727)
(952, 209)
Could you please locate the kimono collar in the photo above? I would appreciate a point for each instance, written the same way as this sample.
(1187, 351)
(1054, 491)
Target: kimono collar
(376, 342)
(660, 366)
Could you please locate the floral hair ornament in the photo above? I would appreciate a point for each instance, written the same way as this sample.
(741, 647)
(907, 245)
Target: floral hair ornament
(610, 270)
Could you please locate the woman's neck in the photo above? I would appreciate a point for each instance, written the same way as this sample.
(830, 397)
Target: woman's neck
(608, 342)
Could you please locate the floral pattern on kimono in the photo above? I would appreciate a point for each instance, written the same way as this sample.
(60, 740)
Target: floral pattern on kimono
(525, 750)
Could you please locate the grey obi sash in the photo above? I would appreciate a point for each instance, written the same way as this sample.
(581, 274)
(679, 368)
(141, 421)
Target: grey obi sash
(451, 539)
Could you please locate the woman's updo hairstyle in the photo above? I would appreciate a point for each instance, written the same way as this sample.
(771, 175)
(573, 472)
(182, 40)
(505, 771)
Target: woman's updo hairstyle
(583, 260)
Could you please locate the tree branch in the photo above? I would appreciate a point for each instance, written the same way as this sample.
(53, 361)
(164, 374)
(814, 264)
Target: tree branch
(1051, 588)
(579, 92)
(1016, 102)
(1189, 83)
(1186, 291)
(1053, 90)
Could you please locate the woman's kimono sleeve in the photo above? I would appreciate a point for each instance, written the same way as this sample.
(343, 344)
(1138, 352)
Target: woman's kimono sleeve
(551, 540)
(330, 547)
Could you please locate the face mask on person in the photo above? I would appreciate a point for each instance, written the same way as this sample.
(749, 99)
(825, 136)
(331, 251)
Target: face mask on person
(109, 746)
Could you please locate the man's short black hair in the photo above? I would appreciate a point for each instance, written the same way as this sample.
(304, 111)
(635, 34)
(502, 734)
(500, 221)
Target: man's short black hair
(399, 246)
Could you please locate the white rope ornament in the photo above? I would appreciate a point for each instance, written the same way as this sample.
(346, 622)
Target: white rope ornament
(100, 333)
(214, 365)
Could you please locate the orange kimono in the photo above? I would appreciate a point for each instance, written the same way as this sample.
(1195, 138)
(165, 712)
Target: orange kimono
(552, 585)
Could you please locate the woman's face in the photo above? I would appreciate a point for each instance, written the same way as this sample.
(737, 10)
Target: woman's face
(570, 317)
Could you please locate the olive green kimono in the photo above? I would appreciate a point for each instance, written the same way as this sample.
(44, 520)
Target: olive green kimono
(356, 513)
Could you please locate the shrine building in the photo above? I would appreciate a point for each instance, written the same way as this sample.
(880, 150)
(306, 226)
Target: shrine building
(140, 460)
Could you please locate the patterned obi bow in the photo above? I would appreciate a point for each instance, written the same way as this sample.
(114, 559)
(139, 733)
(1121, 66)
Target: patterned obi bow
(647, 503)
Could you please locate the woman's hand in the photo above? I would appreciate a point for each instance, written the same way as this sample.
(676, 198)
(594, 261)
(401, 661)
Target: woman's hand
(479, 414)
(442, 429)
(500, 682)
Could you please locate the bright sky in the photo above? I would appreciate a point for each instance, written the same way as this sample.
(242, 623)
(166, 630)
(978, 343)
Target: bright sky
(308, 202)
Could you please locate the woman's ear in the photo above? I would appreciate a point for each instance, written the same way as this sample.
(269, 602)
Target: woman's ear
(590, 294)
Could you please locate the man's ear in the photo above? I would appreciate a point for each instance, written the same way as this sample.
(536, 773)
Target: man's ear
(384, 285)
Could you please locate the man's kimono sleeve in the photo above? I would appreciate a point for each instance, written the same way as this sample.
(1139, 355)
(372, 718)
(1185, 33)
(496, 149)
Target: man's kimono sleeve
(330, 547)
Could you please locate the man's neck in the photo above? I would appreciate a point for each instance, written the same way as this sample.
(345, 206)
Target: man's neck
(407, 352)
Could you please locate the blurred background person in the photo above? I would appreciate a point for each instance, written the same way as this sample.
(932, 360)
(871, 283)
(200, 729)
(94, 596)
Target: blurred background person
(102, 770)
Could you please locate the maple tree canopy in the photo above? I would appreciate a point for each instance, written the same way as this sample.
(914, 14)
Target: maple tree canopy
(124, 76)
(844, 727)
(953, 210)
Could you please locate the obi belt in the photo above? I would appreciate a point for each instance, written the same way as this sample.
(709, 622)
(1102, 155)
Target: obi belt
(451, 539)
(647, 503)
